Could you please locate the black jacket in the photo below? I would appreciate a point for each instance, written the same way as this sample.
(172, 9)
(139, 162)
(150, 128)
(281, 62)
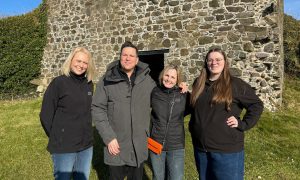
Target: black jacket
(66, 114)
(161, 102)
(208, 122)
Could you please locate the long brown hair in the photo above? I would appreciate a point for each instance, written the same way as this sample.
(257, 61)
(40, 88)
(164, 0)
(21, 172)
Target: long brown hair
(222, 90)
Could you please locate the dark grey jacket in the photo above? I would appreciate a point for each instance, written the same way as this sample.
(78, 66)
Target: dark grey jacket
(122, 111)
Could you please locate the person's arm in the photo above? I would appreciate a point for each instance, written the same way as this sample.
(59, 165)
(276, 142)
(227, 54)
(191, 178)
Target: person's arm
(188, 108)
(49, 106)
(99, 114)
(253, 105)
(184, 87)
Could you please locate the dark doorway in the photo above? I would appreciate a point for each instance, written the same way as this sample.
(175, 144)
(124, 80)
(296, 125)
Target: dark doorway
(155, 60)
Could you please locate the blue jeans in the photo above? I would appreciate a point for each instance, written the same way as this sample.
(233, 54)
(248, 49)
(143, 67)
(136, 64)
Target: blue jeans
(220, 166)
(76, 165)
(172, 160)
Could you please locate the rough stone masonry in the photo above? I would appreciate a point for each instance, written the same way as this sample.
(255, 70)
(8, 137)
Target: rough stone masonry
(250, 32)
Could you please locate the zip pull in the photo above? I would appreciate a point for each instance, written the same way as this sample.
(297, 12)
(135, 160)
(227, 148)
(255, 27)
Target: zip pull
(172, 103)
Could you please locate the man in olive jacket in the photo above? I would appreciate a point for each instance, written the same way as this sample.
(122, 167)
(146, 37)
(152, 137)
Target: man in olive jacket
(121, 113)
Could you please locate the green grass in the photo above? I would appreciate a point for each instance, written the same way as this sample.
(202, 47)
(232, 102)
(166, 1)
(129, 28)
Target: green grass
(272, 147)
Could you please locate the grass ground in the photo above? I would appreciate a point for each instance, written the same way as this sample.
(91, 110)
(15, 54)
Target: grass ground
(272, 147)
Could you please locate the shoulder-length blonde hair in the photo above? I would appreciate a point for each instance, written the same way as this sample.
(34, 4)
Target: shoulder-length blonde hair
(168, 67)
(90, 72)
(222, 90)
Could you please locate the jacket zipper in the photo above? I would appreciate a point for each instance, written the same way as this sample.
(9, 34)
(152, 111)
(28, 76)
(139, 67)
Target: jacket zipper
(171, 111)
(130, 92)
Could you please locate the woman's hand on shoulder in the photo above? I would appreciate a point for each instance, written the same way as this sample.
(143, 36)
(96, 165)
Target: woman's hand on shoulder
(184, 87)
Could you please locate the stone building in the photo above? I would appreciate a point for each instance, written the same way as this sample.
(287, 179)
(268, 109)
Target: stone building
(177, 31)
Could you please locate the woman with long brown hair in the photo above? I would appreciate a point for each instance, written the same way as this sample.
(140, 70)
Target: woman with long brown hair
(216, 126)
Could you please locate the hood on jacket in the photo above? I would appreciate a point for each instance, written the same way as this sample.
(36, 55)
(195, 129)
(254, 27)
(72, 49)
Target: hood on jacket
(113, 74)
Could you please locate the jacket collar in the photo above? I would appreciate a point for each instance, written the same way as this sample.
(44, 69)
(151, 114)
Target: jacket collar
(77, 77)
(169, 90)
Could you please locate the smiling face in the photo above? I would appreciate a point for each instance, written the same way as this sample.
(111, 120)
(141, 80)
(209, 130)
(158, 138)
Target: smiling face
(129, 59)
(79, 63)
(215, 63)
(169, 79)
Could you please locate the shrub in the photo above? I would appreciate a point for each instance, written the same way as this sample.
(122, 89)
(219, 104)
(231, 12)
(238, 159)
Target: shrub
(22, 40)
(291, 44)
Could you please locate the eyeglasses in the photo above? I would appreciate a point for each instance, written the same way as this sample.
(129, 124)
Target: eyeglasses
(216, 60)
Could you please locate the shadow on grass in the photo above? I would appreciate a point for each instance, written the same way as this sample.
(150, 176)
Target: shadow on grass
(102, 169)
(98, 159)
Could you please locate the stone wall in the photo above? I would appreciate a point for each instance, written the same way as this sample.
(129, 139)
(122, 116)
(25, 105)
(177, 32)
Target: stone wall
(250, 31)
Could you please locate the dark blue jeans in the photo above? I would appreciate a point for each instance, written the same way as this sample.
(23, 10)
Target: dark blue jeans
(219, 166)
(172, 160)
(76, 165)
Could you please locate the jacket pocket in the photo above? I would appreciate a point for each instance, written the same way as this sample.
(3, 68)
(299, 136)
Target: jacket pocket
(111, 159)
(68, 130)
(238, 135)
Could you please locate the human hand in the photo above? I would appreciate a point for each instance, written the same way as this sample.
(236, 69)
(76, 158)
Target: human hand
(113, 147)
(184, 87)
(232, 122)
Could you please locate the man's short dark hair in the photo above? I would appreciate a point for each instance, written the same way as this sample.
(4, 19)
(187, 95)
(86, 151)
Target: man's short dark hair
(129, 44)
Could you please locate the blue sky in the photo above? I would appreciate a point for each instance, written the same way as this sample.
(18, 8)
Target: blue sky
(17, 7)
(292, 7)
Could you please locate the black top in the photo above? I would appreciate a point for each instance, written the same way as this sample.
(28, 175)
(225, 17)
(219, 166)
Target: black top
(161, 99)
(208, 122)
(66, 114)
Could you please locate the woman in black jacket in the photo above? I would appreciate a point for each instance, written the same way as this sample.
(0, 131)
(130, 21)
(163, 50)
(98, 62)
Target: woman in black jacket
(167, 119)
(217, 130)
(66, 117)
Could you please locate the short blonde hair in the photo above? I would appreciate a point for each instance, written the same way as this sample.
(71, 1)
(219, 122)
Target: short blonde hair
(90, 72)
(167, 68)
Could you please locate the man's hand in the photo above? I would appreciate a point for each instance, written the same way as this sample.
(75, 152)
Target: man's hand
(113, 147)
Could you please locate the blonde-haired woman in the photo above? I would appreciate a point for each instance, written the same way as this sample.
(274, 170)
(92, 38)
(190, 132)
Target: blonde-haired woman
(167, 120)
(66, 116)
(216, 126)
